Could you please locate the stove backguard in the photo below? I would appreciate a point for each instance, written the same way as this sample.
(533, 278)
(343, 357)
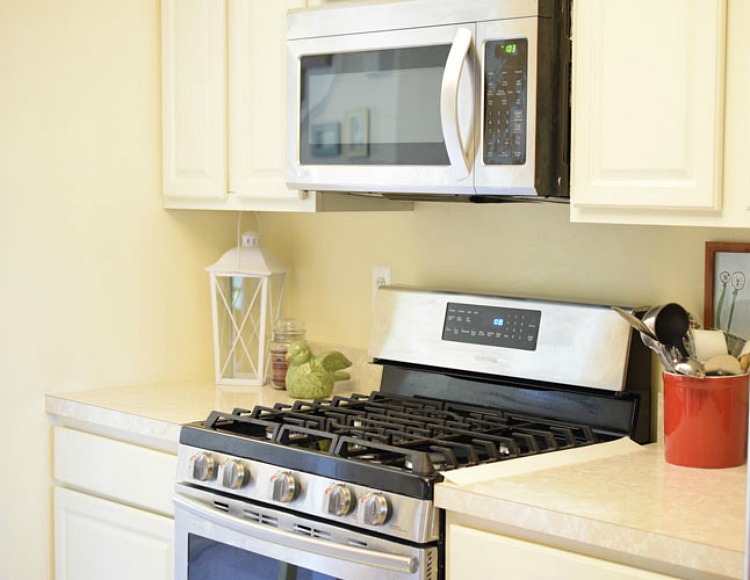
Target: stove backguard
(573, 362)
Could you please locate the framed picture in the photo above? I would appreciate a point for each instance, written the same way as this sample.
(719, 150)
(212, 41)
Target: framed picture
(726, 303)
(356, 133)
(325, 140)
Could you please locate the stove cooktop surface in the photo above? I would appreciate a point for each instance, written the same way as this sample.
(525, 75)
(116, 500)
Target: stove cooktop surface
(399, 443)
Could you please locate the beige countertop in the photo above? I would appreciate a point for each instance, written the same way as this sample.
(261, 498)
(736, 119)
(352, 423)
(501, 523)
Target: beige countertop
(631, 505)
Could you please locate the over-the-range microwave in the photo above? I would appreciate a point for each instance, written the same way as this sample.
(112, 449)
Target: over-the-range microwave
(464, 100)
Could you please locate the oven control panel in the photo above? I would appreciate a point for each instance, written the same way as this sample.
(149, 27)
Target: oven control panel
(492, 325)
(356, 505)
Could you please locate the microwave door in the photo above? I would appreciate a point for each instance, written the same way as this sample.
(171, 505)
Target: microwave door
(366, 111)
(506, 157)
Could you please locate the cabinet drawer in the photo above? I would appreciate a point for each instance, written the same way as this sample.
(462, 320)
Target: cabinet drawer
(478, 554)
(123, 471)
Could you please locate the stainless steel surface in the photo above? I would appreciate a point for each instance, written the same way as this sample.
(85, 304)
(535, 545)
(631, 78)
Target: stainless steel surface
(466, 27)
(578, 344)
(404, 14)
(203, 466)
(283, 487)
(410, 519)
(634, 321)
(670, 324)
(291, 538)
(338, 500)
(233, 474)
(373, 509)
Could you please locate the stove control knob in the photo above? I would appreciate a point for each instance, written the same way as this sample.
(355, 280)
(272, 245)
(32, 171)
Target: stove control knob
(338, 500)
(204, 466)
(373, 509)
(283, 487)
(233, 474)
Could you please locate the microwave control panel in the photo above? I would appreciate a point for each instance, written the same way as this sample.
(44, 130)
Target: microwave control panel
(505, 114)
(492, 325)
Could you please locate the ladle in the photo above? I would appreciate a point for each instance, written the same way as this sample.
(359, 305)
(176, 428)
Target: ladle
(669, 323)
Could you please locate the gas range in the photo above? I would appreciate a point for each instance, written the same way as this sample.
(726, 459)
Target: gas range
(361, 470)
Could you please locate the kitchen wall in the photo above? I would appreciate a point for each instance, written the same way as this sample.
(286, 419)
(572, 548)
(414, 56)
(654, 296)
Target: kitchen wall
(515, 249)
(99, 285)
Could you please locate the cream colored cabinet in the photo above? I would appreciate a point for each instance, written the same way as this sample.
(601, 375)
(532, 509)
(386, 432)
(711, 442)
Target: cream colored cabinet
(96, 538)
(476, 553)
(223, 105)
(113, 515)
(648, 105)
(224, 109)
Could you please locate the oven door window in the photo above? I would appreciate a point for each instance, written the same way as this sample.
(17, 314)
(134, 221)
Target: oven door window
(373, 107)
(211, 560)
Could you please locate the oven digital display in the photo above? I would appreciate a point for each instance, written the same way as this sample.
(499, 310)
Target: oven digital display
(492, 326)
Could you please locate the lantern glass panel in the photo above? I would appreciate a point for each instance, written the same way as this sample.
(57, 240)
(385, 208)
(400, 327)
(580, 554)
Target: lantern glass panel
(239, 315)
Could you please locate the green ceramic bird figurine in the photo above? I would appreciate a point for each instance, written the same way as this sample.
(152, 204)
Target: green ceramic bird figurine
(312, 376)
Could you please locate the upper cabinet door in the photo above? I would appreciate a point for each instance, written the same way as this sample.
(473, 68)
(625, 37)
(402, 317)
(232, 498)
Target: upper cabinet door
(648, 94)
(194, 99)
(257, 104)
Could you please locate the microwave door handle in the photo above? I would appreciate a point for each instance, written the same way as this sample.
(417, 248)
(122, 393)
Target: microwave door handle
(364, 556)
(449, 117)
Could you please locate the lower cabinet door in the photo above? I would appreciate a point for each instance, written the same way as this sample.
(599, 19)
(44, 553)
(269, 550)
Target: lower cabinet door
(478, 554)
(96, 538)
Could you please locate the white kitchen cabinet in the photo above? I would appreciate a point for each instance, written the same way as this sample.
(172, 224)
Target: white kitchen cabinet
(476, 553)
(224, 109)
(648, 101)
(112, 508)
(96, 538)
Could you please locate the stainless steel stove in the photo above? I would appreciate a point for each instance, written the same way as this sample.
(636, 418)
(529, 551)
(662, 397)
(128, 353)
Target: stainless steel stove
(343, 487)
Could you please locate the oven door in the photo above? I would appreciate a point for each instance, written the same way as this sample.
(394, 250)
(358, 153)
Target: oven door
(398, 103)
(220, 537)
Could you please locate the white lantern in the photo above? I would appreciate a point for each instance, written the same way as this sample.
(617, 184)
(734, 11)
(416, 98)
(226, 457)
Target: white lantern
(246, 290)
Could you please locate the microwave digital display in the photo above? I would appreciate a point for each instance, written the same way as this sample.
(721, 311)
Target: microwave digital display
(505, 96)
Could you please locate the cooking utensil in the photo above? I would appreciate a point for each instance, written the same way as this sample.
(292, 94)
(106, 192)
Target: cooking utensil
(634, 321)
(669, 323)
(690, 367)
(661, 350)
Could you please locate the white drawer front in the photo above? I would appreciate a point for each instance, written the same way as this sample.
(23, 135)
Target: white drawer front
(123, 471)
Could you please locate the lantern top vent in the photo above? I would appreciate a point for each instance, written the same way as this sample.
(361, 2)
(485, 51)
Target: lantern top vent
(247, 260)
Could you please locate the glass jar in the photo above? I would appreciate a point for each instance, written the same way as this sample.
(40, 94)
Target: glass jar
(285, 331)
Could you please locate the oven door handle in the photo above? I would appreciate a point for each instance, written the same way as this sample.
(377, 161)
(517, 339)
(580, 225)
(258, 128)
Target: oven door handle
(366, 557)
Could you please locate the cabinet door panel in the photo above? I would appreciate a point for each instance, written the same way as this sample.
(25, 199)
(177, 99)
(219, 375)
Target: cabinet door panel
(194, 99)
(96, 539)
(257, 104)
(648, 103)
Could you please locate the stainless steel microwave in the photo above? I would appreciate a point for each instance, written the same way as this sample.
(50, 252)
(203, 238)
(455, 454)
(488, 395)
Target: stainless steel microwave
(430, 99)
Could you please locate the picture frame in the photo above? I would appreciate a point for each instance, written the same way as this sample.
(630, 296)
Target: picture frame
(356, 133)
(726, 301)
(325, 140)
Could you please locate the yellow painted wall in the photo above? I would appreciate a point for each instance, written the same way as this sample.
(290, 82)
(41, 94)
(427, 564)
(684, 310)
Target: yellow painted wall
(513, 249)
(99, 285)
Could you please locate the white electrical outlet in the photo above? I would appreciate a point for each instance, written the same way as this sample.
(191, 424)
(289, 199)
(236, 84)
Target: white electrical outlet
(381, 276)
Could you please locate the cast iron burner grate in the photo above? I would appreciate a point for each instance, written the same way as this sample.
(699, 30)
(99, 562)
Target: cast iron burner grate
(410, 434)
